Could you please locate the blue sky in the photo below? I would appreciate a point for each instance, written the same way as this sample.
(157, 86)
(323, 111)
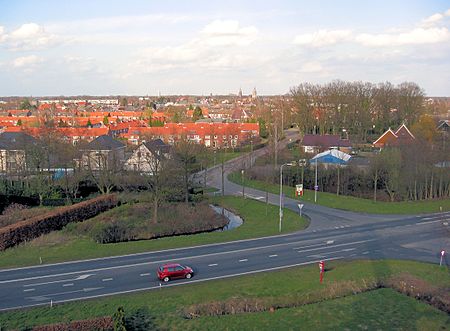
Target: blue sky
(202, 47)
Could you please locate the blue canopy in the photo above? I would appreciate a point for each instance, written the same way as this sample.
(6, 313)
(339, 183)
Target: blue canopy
(332, 156)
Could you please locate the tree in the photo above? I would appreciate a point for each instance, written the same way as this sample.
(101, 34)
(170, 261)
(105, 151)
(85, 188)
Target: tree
(391, 164)
(89, 124)
(19, 122)
(119, 319)
(186, 154)
(25, 104)
(105, 120)
(262, 128)
(124, 102)
(425, 129)
(197, 114)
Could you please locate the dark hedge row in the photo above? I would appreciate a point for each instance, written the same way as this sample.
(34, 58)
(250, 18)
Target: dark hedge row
(17, 233)
(97, 324)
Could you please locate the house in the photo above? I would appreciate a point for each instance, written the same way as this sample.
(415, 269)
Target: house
(103, 153)
(148, 156)
(443, 126)
(398, 138)
(14, 147)
(313, 143)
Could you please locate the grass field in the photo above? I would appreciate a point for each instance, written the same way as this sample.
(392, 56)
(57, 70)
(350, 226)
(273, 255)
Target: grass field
(379, 309)
(350, 203)
(60, 246)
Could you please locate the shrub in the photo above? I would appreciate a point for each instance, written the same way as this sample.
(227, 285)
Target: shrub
(97, 324)
(140, 320)
(54, 220)
(111, 233)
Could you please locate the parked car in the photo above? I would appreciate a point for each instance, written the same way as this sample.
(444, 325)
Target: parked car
(170, 271)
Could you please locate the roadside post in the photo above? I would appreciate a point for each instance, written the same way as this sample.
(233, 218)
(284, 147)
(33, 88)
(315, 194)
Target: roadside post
(322, 269)
(300, 207)
(442, 258)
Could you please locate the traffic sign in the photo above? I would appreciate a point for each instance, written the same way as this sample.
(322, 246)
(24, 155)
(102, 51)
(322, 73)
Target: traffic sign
(442, 257)
(316, 187)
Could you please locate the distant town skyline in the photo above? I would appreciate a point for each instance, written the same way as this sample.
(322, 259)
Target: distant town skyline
(50, 48)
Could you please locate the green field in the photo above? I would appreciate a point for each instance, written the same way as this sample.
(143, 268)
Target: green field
(62, 246)
(350, 203)
(381, 309)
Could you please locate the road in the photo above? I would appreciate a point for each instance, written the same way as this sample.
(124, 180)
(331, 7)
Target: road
(332, 235)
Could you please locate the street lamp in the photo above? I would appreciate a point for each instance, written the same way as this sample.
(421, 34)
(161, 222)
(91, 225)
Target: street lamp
(316, 188)
(290, 164)
(243, 184)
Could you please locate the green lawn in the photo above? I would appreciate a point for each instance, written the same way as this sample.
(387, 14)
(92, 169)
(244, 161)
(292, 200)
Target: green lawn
(350, 203)
(365, 311)
(60, 246)
(216, 158)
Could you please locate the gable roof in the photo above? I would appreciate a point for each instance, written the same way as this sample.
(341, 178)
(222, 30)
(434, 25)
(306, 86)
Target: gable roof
(157, 145)
(16, 140)
(104, 143)
(387, 136)
(404, 132)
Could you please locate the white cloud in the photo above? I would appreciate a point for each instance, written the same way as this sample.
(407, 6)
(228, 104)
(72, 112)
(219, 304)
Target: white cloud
(447, 13)
(313, 66)
(29, 36)
(432, 20)
(228, 32)
(26, 61)
(323, 37)
(413, 37)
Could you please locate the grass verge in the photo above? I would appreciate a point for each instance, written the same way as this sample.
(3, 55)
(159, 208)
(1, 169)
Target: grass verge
(350, 203)
(58, 246)
(363, 311)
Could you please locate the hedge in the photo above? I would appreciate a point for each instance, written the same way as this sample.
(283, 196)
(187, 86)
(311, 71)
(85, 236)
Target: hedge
(54, 220)
(100, 323)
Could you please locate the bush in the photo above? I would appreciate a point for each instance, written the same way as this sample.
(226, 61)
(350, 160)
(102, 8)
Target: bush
(111, 233)
(140, 320)
(97, 324)
(54, 220)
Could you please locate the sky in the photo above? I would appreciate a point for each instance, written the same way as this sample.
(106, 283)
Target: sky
(201, 47)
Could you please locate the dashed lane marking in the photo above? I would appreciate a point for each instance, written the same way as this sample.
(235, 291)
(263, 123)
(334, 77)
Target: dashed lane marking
(212, 265)
(68, 284)
(274, 255)
(243, 260)
(146, 274)
(107, 279)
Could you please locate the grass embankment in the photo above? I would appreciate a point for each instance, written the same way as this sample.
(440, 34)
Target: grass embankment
(62, 246)
(378, 309)
(347, 202)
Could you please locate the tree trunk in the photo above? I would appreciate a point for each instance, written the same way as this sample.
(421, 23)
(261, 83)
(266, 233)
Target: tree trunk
(338, 180)
(155, 209)
(375, 184)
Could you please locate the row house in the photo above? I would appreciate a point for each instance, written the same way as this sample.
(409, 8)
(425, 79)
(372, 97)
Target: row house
(214, 135)
(13, 151)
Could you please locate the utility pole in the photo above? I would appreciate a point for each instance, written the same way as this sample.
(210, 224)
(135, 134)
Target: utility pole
(223, 186)
(276, 146)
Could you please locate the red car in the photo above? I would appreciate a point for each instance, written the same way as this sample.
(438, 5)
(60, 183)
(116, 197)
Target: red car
(170, 271)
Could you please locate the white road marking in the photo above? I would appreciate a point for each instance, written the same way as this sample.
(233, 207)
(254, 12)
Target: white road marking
(320, 244)
(69, 284)
(243, 260)
(274, 255)
(56, 281)
(146, 274)
(174, 284)
(44, 296)
(107, 279)
(28, 289)
(212, 265)
(329, 242)
(429, 222)
(348, 249)
(364, 253)
(427, 218)
(316, 256)
(339, 245)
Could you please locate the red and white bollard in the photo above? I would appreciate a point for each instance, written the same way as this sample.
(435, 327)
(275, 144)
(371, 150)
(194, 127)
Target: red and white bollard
(322, 269)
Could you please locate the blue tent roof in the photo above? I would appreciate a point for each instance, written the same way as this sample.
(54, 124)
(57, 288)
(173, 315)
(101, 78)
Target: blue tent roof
(332, 156)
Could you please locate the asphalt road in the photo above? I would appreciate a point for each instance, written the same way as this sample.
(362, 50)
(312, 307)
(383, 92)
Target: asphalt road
(332, 235)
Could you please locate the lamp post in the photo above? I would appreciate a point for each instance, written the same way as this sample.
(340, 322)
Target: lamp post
(281, 189)
(316, 188)
(243, 184)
